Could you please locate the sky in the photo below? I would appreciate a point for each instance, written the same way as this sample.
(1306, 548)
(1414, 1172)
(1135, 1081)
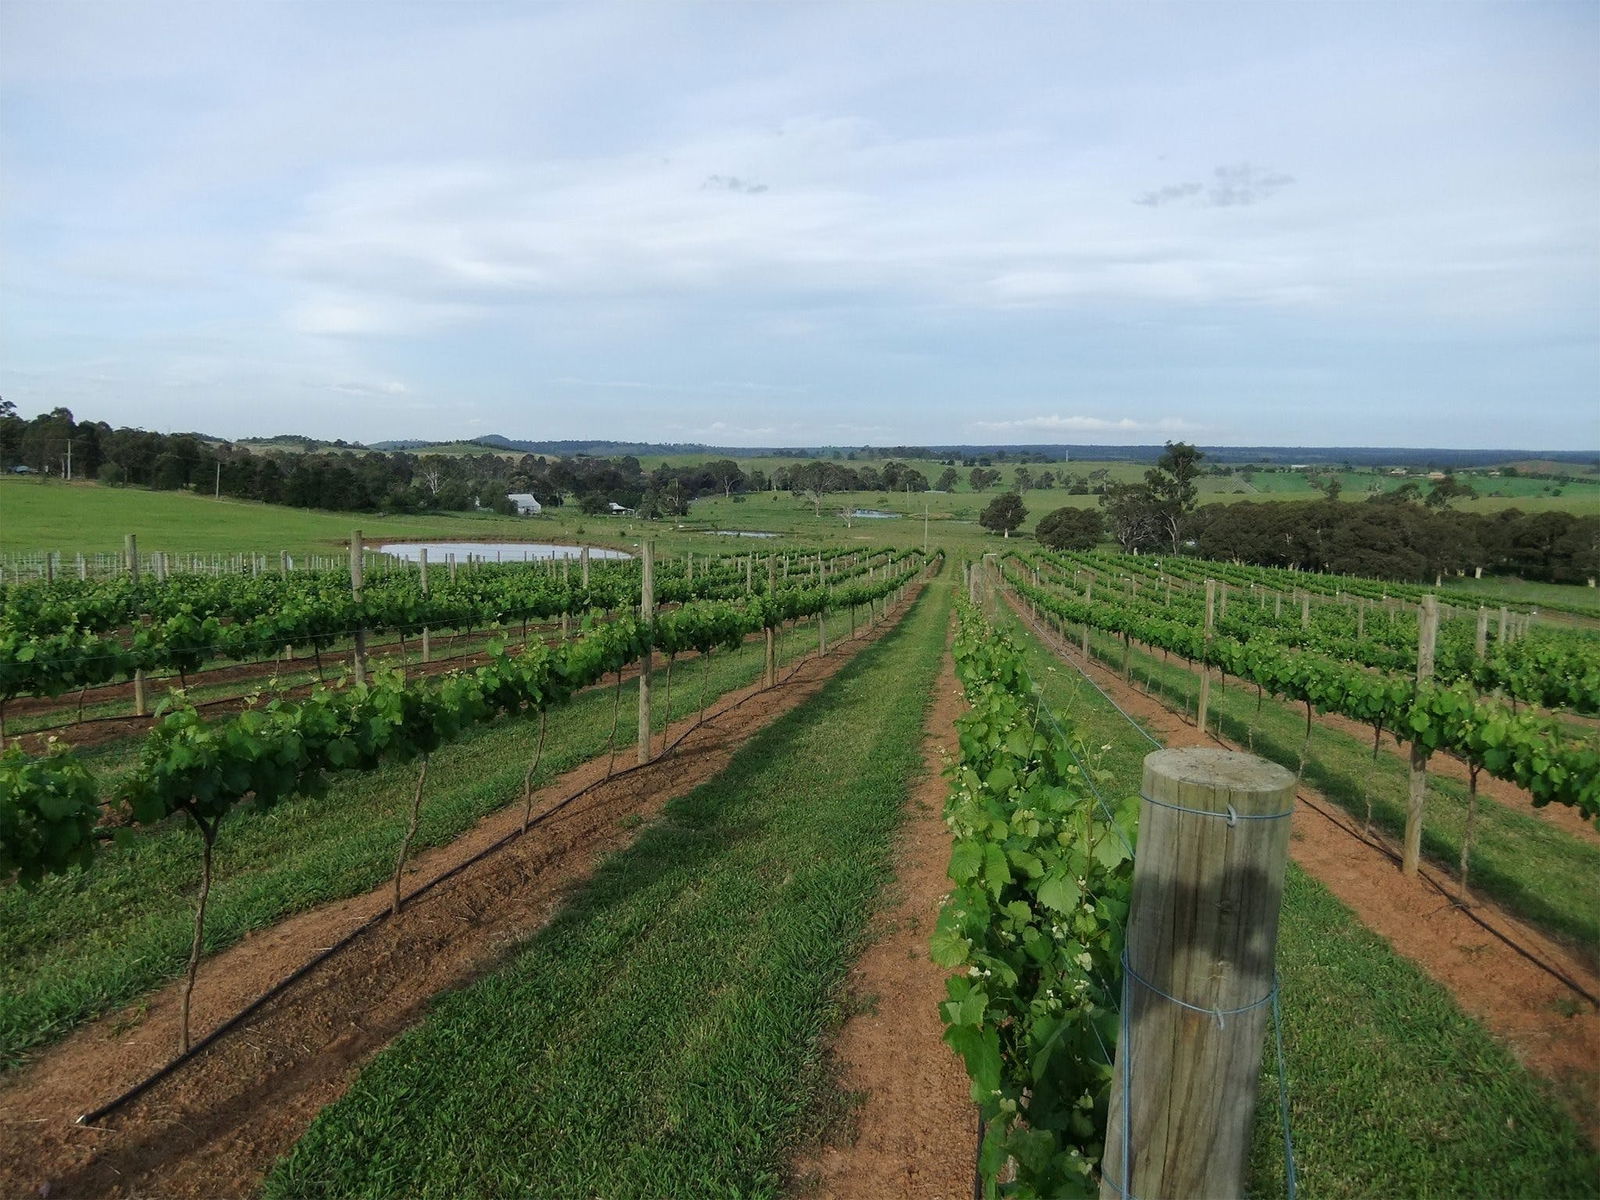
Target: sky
(1274, 223)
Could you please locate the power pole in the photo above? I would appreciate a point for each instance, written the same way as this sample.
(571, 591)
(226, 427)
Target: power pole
(216, 491)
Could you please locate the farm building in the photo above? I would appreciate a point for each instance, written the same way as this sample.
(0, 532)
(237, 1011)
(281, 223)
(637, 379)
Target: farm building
(527, 506)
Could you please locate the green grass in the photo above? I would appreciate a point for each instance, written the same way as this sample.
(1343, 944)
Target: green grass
(1531, 867)
(1393, 1090)
(665, 1035)
(85, 943)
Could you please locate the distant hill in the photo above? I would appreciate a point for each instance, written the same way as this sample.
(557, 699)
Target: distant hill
(1433, 458)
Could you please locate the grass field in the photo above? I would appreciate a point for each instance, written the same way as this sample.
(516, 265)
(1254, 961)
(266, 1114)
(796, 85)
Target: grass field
(665, 1035)
(87, 517)
(1368, 1117)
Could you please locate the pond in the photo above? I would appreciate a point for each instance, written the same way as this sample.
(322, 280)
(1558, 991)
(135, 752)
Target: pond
(873, 514)
(743, 533)
(438, 552)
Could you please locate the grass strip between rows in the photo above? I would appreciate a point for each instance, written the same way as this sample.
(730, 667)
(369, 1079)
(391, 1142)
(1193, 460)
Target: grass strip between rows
(1393, 1089)
(85, 943)
(664, 1035)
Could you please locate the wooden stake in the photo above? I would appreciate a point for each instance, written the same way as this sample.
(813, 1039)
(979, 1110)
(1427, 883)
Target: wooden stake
(647, 609)
(1202, 930)
(1417, 796)
(359, 657)
(139, 709)
(1204, 706)
(772, 645)
(422, 566)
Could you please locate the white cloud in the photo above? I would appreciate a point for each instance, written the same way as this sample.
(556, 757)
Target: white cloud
(1056, 423)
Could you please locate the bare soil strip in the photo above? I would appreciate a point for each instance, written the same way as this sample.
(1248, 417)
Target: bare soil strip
(914, 1130)
(1539, 1019)
(214, 1127)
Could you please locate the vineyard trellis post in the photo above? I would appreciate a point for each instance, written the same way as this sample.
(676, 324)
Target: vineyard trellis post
(132, 543)
(1203, 706)
(1199, 977)
(647, 611)
(1480, 645)
(422, 567)
(359, 655)
(772, 649)
(1417, 795)
(583, 564)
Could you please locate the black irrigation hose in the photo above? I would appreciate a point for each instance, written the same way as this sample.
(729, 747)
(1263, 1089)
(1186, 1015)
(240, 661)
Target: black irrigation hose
(1548, 968)
(95, 1116)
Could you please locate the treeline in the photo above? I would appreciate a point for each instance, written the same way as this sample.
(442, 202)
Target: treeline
(56, 444)
(1398, 539)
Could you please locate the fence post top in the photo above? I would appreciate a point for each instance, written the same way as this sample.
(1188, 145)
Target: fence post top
(1231, 776)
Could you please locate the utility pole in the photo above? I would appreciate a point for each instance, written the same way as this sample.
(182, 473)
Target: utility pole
(216, 491)
(69, 460)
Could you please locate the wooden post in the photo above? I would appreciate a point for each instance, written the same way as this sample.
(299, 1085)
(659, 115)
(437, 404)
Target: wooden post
(583, 562)
(1202, 935)
(1361, 619)
(131, 551)
(647, 609)
(450, 561)
(359, 658)
(772, 645)
(1305, 610)
(1427, 634)
(749, 574)
(1480, 645)
(1277, 604)
(1204, 706)
(49, 566)
(566, 583)
(422, 566)
(83, 567)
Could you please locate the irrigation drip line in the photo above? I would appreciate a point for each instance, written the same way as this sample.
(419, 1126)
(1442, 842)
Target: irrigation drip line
(1427, 877)
(94, 1116)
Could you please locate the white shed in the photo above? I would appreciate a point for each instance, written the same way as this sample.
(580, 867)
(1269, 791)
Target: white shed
(527, 506)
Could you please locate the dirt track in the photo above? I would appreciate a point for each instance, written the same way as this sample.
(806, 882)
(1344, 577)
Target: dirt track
(914, 1133)
(215, 1126)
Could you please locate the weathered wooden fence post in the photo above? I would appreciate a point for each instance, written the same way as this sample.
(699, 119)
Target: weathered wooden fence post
(359, 657)
(1203, 705)
(772, 646)
(132, 550)
(1199, 978)
(422, 566)
(647, 611)
(1416, 799)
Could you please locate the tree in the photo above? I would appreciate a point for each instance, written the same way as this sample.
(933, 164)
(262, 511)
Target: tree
(1047, 480)
(1172, 487)
(814, 480)
(982, 477)
(726, 474)
(1003, 514)
(1071, 529)
(1448, 489)
(948, 479)
(1023, 479)
(1134, 515)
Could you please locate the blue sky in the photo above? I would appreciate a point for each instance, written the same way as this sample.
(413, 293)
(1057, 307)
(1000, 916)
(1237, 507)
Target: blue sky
(753, 224)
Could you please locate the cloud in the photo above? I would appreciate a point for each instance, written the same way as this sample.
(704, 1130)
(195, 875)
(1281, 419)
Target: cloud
(1232, 185)
(389, 387)
(1173, 191)
(732, 183)
(1056, 423)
